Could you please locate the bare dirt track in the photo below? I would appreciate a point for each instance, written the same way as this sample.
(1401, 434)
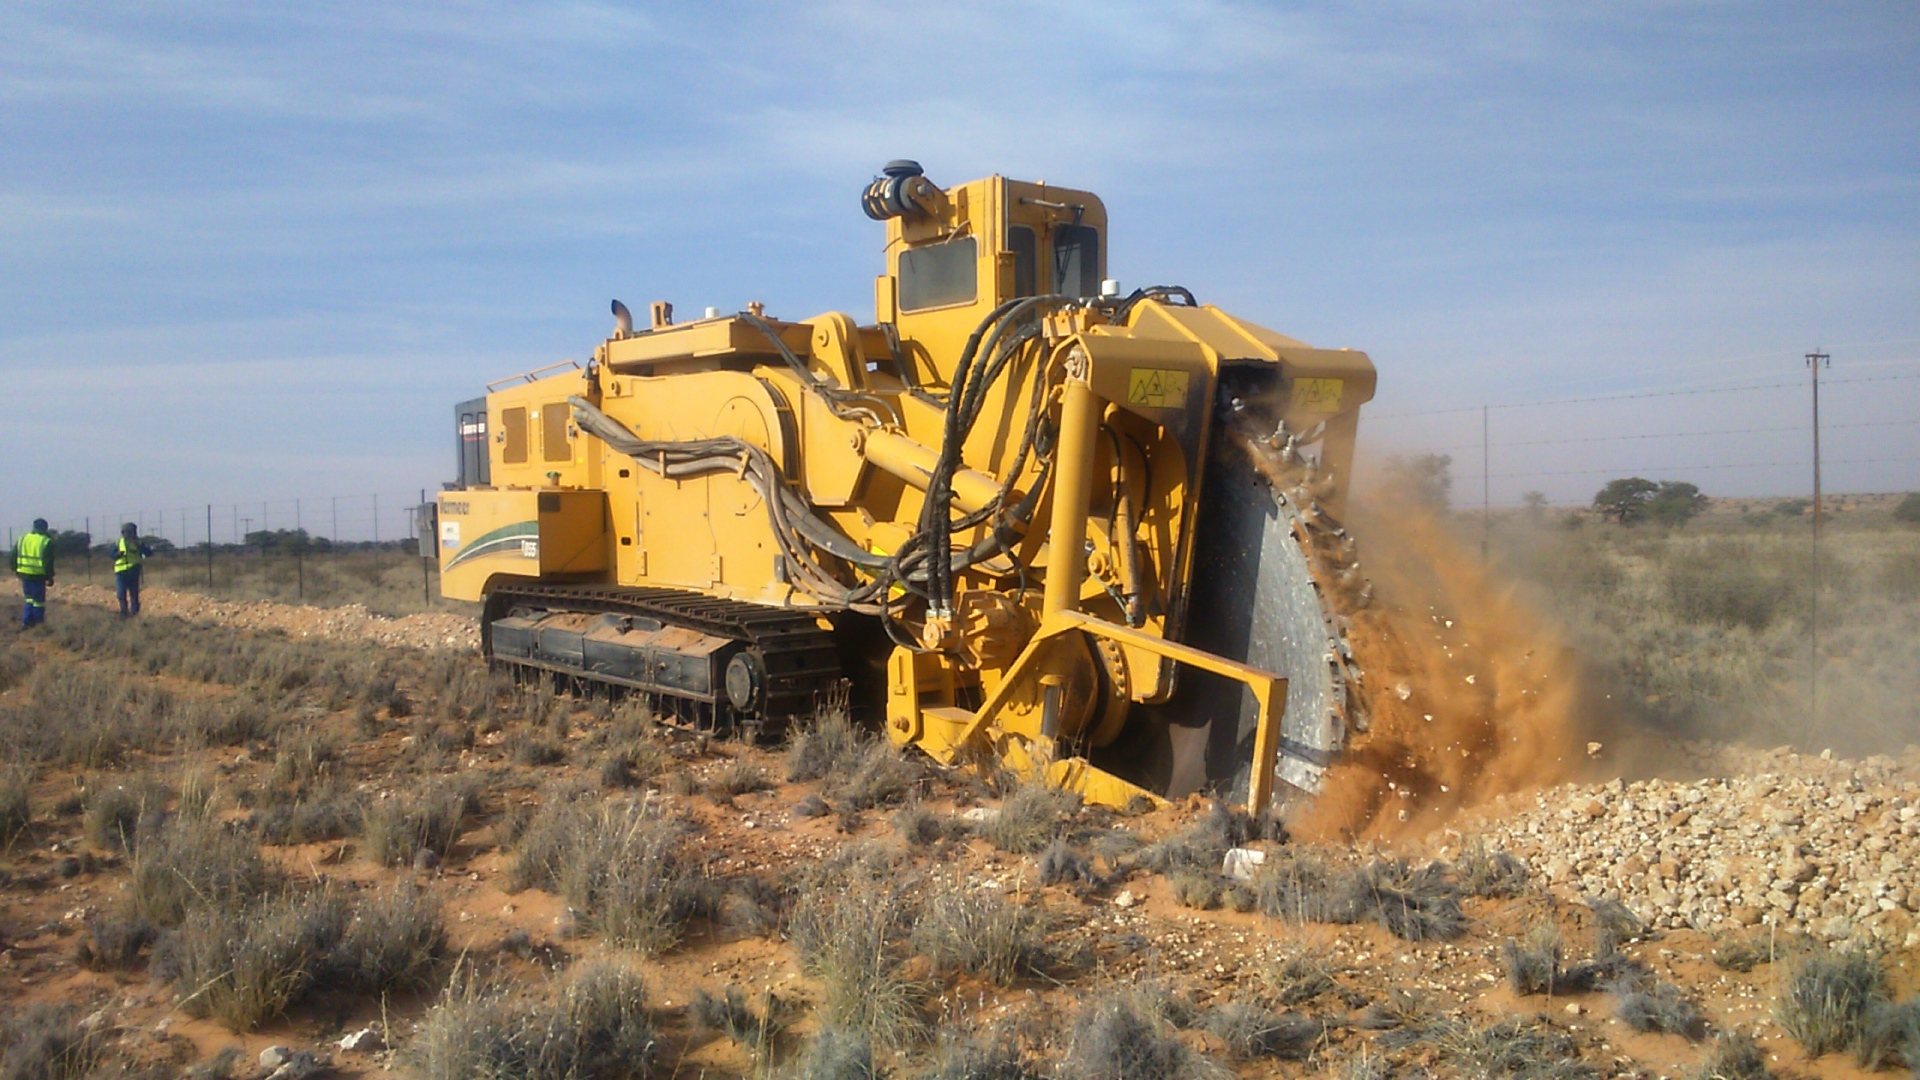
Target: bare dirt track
(1776, 854)
(351, 622)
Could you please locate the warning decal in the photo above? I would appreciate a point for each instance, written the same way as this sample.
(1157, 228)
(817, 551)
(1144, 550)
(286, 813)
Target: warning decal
(1317, 395)
(1157, 388)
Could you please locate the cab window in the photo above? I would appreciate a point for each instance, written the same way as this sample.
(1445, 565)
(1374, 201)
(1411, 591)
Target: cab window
(513, 429)
(1026, 266)
(1076, 260)
(936, 275)
(553, 433)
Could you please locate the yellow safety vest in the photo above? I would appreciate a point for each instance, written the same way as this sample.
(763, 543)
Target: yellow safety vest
(127, 555)
(30, 559)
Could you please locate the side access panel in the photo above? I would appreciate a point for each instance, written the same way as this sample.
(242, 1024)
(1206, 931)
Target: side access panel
(524, 534)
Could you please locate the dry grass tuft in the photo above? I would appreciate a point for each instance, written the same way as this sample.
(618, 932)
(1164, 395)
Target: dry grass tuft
(850, 924)
(45, 1042)
(740, 776)
(244, 965)
(855, 769)
(621, 863)
(191, 862)
(397, 829)
(1648, 1004)
(1032, 816)
(1120, 1037)
(1251, 1031)
(1742, 952)
(1493, 874)
(1827, 997)
(596, 1026)
(1415, 903)
(838, 1054)
(979, 932)
(756, 1029)
(1735, 1056)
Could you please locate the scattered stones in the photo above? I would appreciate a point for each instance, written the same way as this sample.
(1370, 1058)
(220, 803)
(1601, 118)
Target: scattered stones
(1822, 846)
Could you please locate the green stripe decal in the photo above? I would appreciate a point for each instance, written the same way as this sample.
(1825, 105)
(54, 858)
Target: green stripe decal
(507, 537)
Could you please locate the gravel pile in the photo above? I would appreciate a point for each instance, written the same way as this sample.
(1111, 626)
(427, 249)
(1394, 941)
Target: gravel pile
(351, 622)
(1829, 848)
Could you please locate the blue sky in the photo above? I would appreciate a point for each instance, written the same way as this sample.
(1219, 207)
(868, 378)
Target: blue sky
(256, 252)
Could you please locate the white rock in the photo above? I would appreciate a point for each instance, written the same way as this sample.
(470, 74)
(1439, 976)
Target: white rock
(1240, 863)
(1126, 899)
(275, 1056)
(366, 1040)
(979, 814)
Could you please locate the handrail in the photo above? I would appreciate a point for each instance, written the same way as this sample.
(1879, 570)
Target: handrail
(529, 376)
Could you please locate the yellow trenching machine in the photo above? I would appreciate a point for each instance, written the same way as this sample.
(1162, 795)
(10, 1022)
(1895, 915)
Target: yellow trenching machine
(1021, 517)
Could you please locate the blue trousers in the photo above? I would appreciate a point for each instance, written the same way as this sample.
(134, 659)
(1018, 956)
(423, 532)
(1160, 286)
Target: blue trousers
(36, 590)
(126, 586)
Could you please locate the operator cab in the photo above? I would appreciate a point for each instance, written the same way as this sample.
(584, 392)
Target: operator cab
(953, 255)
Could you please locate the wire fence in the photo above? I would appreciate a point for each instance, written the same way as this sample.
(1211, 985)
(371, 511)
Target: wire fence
(1512, 447)
(326, 551)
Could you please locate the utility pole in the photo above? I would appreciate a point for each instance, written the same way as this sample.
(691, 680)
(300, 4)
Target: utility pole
(1486, 487)
(1815, 360)
(209, 547)
(376, 519)
(89, 528)
(426, 550)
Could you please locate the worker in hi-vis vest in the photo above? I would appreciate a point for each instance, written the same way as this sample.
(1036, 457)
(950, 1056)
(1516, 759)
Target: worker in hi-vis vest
(33, 562)
(129, 552)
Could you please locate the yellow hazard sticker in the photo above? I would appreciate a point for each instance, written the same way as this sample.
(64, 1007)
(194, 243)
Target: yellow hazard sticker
(1157, 388)
(1317, 395)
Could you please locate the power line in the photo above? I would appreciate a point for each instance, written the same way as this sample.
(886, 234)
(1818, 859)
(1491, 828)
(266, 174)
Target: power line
(1629, 470)
(1687, 434)
(1633, 397)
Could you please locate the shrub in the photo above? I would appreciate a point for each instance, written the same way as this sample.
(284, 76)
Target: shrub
(1298, 975)
(1735, 1056)
(1889, 1035)
(392, 942)
(1250, 1031)
(732, 1016)
(1202, 846)
(113, 942)
(398, 828)
(837, 1054)
(533, 749)
(1742, 953)
(597, 1026)
(1522, 1049)
(741, 776)
(858, 770)
(1418, 904)
(1115, 1038)
(919, 826)
(979, 932)
(849, 924)
(118, 816)
(44, 1042)
(821, 747)
(1490, 873)
(192, 862)
(1827, 998)
(244, 966)
(620, 862)
(1533, 966)
(16, 805)
(1060, 864)
(1648, 1004)
(1031, 817)
(323, 816)
(992, 1058)
(1908, 510)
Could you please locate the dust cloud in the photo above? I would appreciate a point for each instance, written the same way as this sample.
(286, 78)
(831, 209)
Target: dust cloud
(1467, 690)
